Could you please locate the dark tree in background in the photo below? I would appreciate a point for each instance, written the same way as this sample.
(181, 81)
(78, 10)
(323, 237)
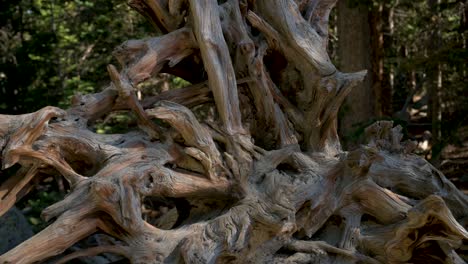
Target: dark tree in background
(354, 53)
(261, 179)
(416, 52)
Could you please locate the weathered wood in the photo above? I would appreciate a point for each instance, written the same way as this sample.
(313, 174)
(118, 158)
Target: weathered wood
(15, 187)
(264, 180)
(217, 62)
(165, 15)
(53, 240)
(127, 94)
(194, 134)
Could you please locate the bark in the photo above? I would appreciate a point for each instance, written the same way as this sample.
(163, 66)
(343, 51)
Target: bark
(264, 181)
(435, 84)
(355, 46)
(380, 21)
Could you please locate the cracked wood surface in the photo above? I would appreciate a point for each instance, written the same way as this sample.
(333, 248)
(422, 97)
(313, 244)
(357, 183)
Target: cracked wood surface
(265, 180)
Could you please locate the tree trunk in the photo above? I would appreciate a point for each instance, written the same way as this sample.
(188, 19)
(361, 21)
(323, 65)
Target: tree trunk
(355, 53)
(380, 27)
(435, 83)
(264, 181)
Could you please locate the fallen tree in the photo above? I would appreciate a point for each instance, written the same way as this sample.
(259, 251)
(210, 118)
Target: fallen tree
(264, 180)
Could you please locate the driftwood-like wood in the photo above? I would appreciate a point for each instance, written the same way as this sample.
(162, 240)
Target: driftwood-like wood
(263, 180)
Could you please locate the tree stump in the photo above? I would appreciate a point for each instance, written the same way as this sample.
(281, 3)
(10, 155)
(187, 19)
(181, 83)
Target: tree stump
(263, 181)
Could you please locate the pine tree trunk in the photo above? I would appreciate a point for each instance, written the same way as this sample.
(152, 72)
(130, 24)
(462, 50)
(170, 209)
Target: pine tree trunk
(435, 83)
(355, 53)
(264, 181)
(379, 20)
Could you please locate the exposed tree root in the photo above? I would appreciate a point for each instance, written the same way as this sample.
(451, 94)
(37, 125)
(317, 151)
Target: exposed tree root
(266, 178)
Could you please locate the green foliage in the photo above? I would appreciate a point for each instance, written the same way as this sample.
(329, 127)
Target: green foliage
(51, 49)
(38, 203)
(178, 82)
(118, 122)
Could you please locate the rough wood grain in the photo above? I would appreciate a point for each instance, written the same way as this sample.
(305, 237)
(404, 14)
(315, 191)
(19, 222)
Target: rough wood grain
(262, 180)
